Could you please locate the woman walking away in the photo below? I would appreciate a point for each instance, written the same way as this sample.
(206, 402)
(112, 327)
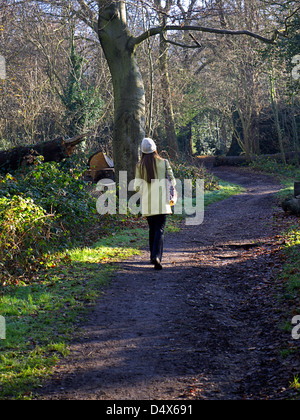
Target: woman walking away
(151, 181)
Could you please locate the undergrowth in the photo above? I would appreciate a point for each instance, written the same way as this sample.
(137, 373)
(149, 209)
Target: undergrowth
(42, 208)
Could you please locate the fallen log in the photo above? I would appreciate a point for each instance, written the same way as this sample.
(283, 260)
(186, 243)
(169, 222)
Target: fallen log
(241, 160)
(52, 151)
(297, 189)
(292, 205)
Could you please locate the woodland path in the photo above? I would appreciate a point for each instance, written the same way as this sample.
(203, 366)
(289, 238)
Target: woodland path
(203, 328)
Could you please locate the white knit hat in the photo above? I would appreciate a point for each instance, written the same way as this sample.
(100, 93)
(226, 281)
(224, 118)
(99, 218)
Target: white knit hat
(148, 146)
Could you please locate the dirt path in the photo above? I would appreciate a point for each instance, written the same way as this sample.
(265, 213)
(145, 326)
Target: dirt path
(201, 328)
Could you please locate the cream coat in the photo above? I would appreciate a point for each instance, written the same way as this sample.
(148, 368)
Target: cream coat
(154, 196)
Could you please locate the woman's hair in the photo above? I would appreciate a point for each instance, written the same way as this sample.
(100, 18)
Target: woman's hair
(148, 166)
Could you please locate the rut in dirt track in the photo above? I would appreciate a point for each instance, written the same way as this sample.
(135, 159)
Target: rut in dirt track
(198, 329)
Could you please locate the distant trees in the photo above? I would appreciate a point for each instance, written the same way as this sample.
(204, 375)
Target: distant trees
(53, 77)
(234, 81)
(205, 66)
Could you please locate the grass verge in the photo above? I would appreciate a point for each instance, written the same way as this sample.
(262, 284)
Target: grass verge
(290, 273)
(290, 300)
(41, 317)
(287, 175)
(225, 190)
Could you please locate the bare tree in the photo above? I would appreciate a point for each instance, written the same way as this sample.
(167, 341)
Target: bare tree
(165, 80)
(108, 19)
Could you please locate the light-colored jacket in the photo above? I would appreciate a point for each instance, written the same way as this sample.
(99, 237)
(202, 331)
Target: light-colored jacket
(155, 198)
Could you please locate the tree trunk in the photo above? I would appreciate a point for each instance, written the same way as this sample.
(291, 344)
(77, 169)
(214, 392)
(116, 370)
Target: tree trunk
(52, 151)
(166, 96)
(129, 97)
(274, 104)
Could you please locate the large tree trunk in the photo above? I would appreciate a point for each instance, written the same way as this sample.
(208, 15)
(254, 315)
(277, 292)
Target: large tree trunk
(129, 97)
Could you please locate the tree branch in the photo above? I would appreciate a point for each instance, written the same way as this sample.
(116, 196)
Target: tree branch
(286, 21)
(87, 15)
(161, 29)
(178, 44)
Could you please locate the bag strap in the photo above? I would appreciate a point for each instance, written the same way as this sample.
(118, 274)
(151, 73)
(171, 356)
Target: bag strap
(167, 175)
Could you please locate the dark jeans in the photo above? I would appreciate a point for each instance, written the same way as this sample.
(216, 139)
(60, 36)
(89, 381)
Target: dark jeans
(156, 235)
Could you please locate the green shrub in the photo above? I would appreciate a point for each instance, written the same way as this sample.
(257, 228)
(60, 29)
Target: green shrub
(55, 187)
(61, 190)
(42, 208)
(24, 232)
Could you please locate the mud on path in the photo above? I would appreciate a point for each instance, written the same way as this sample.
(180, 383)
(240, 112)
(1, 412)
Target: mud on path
(203, 328)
